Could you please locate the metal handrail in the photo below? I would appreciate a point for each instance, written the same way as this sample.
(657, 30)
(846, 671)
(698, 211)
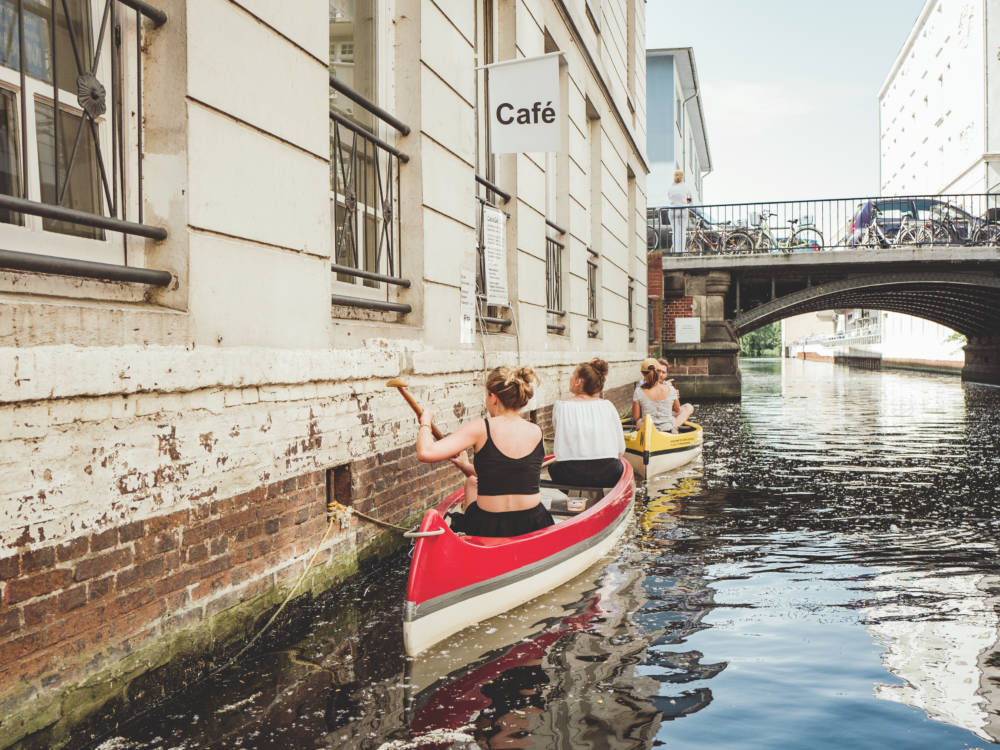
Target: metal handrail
(157, 16)
(361, 274)
(551, 311)
(370, 304)
(555, 326)
(340, 119)
(555, 226)
(496, 321)
(369, 105)
(11, 260)
(492, 187)
(61, 213)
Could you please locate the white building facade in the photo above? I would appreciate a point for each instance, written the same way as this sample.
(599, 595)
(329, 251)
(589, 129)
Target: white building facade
(210, 272)
(676, 134)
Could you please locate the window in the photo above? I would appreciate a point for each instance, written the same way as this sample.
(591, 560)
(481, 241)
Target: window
(364, 166)
(353, 56)
(592, 319)
(49, 152)
(631, 309)
(553, 275)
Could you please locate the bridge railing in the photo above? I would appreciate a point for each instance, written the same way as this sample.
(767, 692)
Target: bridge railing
(871, 222)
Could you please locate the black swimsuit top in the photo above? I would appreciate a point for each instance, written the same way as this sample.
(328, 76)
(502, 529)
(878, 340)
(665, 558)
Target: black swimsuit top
(499, 474)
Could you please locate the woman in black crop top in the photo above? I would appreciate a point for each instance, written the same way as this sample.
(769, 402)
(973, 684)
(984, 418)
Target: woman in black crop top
(501, 488)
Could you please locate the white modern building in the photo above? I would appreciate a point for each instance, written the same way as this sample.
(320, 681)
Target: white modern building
(675, 123)
(218, 242)
(937, 102)
(934, 114)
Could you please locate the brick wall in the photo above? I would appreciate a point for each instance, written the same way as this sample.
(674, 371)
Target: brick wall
(676, 307)
(152, 528)
(72, 609)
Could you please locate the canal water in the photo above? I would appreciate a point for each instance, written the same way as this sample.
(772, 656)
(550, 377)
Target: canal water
(826, 576)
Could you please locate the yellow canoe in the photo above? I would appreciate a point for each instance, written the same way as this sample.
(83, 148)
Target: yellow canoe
(652, 452)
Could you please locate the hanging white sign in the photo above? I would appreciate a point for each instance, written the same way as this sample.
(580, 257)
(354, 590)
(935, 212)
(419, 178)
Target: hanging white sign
(524, 105)
(467, 320)
(687, 330)
(495, 255)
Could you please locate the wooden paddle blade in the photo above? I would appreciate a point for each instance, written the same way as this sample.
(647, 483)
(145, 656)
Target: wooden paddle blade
(401, 387)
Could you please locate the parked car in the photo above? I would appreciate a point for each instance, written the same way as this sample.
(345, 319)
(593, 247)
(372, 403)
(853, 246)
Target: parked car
(892, 212)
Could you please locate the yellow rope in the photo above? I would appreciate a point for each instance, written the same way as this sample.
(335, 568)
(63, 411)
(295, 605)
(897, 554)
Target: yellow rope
(334, 506)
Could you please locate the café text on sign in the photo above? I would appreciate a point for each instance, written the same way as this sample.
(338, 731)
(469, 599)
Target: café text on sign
(524, 105)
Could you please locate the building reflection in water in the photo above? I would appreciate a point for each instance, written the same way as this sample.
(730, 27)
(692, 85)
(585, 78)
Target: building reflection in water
(941, 635)
(605, 673)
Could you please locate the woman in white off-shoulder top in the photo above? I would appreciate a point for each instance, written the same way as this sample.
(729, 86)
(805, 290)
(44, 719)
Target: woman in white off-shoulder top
(589, 441)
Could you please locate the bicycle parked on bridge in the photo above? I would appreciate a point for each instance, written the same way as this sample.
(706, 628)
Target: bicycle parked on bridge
(760, 239)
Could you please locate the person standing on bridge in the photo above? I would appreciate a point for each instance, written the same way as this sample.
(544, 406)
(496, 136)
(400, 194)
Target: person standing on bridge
(678, 197)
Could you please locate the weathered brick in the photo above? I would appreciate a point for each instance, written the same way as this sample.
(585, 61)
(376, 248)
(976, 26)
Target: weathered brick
(73, 549)
(10, 621)
(39, 584)
(101, 564)
(127, 578)
(10, 567)
(175, 582)
(197, 553)
(219, 546)
(104, 540)
(72, 598)
(99, 587)
(150, 546)
(153, 568)
(131, 531)
(33, 561)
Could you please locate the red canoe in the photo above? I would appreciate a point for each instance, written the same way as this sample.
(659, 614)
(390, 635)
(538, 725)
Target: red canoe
(457, 581)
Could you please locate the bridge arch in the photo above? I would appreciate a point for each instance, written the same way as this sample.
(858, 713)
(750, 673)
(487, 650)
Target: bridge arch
(965, 302)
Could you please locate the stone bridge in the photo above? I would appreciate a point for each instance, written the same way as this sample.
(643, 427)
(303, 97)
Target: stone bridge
(955, 285)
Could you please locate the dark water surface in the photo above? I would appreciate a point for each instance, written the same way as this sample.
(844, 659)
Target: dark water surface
(827, 576)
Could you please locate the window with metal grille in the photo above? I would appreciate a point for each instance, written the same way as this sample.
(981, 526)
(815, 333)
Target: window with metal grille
(631, 309)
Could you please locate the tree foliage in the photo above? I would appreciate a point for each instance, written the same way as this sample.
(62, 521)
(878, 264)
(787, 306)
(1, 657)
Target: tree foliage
(764, 342)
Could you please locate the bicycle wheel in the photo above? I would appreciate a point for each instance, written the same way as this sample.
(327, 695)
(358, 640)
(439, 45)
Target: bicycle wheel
(738, 242)
(764, 244)
(939, 234)
(871, 238)
(910, 234)
(806, 239)
(695, 243)
(988, 234)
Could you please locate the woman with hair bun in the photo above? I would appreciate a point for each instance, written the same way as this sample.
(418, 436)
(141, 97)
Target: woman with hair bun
(502, 495)
(589, 441)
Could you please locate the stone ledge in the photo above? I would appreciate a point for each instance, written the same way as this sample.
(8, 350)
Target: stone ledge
(705, 347)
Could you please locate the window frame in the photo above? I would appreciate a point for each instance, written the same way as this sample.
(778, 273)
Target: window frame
(31, 236)
(355, 286)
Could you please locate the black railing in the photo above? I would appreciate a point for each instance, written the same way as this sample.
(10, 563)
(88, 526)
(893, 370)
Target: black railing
(78, 93)
(631, 309)
(489, 196)
(875, 222)
(553, 279)
(592, 256)
(365, 182)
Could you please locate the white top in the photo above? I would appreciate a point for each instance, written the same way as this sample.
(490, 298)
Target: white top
(587, 430)
(672, 393)
(678, 194)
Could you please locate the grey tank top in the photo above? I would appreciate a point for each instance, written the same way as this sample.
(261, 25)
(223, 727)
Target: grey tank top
(662, 412)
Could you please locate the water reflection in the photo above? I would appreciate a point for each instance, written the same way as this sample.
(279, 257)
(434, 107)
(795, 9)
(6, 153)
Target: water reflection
(828, 575)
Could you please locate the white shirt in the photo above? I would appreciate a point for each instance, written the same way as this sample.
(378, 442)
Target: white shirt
(678, 194)
(587, 430)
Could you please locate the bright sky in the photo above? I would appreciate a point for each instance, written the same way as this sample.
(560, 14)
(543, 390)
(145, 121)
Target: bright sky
(789, 89)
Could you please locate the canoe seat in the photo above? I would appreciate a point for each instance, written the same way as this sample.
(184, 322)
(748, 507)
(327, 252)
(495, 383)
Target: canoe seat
(571, 488)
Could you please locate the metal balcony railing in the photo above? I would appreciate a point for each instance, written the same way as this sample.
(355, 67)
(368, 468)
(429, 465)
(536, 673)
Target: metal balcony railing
(365, 181)
(592, 329)
(553, 277)
(872, 223)
(84, 175)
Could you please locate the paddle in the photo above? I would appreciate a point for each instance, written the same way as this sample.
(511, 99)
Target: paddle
(400, 385)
